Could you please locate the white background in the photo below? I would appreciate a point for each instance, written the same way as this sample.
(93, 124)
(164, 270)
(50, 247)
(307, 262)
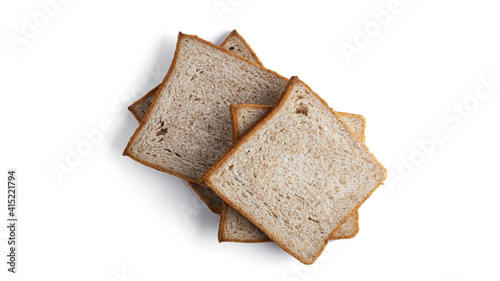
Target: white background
(111, 218)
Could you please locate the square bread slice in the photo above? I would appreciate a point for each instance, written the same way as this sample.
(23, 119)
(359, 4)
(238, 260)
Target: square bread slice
(235, 43)
(188, 127)
(233, 227)
(298, 174)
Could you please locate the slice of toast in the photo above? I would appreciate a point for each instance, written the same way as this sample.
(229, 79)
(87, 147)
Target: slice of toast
(233, 227)
(298, 174)
(187, 127)
(235, 43)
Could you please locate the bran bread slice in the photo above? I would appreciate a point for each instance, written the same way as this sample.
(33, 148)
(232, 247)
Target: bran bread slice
(233, 227)
(298, 174)
(235, 43)
(187, 127)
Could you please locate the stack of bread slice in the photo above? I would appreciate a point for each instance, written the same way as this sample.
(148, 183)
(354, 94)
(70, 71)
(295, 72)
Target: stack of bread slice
(266, 152)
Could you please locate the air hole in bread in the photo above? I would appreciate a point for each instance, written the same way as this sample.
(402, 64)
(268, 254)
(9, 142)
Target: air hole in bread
(311, 219)
(302, 109)
(230, 168)
(178, 155)
(299, 98)
(162, 132)
(231, 48)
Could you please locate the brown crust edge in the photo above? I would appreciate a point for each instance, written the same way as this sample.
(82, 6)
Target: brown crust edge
(235, 33)
(205, 178)
(222, 223)
(357, 225)
(162, 85)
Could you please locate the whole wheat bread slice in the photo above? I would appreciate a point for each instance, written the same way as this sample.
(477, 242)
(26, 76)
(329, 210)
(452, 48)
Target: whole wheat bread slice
(298, 174)
(235, 43)
(233, 227)
(187, 127)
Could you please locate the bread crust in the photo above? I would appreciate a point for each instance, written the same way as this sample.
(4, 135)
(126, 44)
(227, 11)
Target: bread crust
(235, 33)
(206, 176)
(222, 223)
